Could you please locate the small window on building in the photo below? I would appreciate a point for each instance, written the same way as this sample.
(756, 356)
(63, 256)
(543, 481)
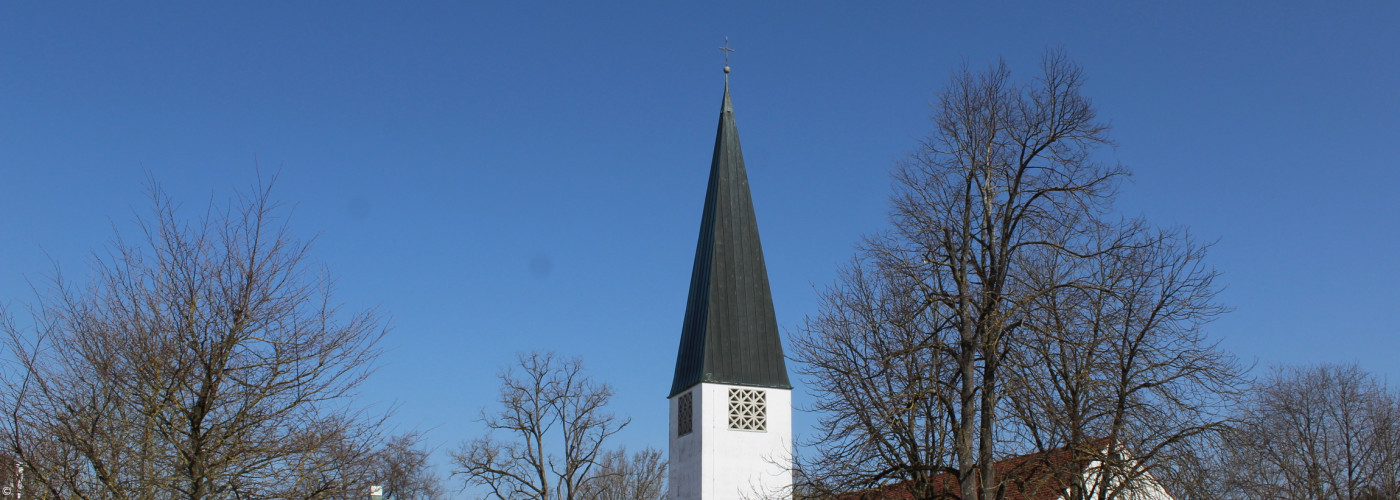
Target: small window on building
(685, 415)
(748, 410)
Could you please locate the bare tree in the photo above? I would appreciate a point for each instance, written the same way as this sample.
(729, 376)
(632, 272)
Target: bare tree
(620, 476)
(1196, 470)
(1007, 172)
(1318, 432)
(1116, 364)
(204, 359)
(555, 423)
(884, 406)
(404, 471)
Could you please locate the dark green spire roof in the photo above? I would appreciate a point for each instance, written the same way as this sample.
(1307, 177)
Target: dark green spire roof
(730, 334)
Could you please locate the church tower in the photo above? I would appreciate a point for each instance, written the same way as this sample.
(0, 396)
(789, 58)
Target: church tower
(731, 403)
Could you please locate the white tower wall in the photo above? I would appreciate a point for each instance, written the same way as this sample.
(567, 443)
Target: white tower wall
(715, 462)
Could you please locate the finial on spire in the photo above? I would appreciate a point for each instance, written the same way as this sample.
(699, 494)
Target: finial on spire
(727, 51)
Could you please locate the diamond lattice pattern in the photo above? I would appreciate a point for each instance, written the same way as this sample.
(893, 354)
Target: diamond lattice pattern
(748, 410)
(685, 415)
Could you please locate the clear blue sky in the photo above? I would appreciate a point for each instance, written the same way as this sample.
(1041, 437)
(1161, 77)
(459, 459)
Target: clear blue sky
(506, 176)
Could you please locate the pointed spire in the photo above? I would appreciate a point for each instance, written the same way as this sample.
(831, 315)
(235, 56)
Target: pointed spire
(726, 107)
(730, 334)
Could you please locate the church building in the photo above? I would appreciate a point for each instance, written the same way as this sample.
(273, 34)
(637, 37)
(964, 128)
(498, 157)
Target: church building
(730, 401)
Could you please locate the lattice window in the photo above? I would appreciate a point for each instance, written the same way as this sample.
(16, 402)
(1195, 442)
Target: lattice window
(748, 410)
(685, 415)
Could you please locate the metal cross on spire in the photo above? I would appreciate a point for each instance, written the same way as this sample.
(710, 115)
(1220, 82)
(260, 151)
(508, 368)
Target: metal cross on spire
(727, 51)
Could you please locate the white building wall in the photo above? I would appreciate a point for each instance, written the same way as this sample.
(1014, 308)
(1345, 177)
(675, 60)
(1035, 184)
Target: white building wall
(1147, 488)
(715, 462)
(684, 483)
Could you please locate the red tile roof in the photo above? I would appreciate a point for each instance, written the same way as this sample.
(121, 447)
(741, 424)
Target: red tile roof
(1034, 476)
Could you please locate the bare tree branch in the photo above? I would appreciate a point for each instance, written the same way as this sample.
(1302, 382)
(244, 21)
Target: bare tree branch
(1004, 311)
(1325, 431)
(203, 359)
(555, 423)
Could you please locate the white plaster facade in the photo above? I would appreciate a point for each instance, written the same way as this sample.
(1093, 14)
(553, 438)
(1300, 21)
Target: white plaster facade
(1147, 487)
(714, 462)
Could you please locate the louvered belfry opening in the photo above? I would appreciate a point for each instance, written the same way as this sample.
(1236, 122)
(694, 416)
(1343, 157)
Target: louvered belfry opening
(748, 410)
(685, 414)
